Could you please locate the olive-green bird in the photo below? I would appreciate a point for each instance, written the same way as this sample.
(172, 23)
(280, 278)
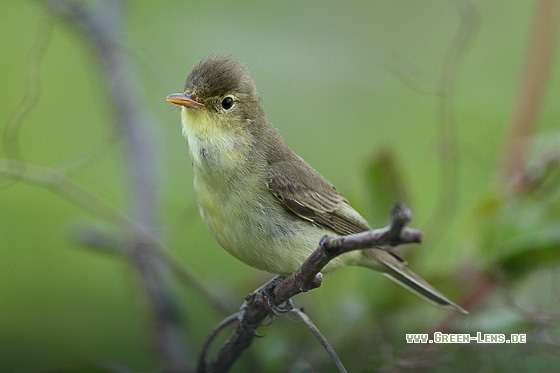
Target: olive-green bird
(261, 201)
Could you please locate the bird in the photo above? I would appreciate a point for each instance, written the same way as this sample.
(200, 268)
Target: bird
(259, 200)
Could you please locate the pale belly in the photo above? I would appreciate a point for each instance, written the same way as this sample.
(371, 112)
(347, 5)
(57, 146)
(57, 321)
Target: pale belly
(259, 231)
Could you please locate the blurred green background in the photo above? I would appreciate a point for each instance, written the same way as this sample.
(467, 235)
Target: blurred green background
(326, 73)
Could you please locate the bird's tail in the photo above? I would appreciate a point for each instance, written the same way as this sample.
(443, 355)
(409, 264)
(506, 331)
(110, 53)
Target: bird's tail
(395, 268)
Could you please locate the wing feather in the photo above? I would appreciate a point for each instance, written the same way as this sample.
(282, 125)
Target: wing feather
(314, 199)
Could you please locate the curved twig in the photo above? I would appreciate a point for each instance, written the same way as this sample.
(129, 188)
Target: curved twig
(320, 337)
(222, 325)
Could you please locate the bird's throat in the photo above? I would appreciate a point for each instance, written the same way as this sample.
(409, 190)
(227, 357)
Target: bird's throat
(214, 147)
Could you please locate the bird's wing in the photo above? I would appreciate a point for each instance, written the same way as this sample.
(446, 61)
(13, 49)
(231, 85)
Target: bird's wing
(313, 198)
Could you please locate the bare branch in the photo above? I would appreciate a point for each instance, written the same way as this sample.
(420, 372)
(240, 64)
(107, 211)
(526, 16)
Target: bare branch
(308, 276)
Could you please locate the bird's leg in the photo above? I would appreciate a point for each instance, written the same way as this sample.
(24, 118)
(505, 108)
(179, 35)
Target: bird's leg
(264, 296)
(287, 306)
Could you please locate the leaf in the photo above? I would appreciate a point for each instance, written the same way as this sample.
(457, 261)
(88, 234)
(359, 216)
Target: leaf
(385, 186)
(520, 233)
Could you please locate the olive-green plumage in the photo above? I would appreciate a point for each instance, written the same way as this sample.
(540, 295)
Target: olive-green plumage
(262, 202)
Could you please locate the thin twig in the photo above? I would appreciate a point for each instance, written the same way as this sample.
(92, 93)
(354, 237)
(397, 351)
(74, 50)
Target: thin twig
(30, 98)
(320, 337)
(221, 326)
(32, 89)
(444, 86)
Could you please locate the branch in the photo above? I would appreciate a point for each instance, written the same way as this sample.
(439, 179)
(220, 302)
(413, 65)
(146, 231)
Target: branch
(221, 326)
(320, 337)
(263, 302)
(535, 78)
(100, 25)
(309, 277)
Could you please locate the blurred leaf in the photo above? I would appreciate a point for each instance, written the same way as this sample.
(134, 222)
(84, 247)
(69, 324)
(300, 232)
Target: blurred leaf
(385, 185)
(520, 233)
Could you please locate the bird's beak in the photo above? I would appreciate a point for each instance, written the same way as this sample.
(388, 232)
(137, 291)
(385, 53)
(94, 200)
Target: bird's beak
(185, 99)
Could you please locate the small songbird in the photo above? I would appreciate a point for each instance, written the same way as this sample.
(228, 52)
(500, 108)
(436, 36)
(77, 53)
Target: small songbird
(261, 201)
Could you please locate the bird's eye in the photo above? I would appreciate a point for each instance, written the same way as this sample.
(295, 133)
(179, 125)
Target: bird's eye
(227, 103)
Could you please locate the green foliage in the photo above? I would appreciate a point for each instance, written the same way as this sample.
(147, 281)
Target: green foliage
(519, 233)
